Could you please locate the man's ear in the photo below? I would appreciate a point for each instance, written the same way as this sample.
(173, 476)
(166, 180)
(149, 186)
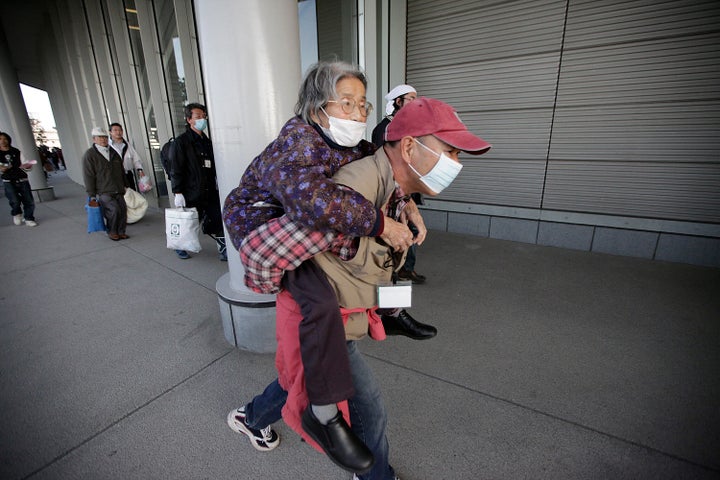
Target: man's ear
(407, 144)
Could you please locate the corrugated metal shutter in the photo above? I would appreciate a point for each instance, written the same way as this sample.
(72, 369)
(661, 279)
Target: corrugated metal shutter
(636, 127)
(497, 64)
(330, 40)
(336, 33)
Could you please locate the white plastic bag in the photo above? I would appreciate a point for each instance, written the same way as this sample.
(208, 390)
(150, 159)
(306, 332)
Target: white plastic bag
(144, 184)
(182, 229)
(137, 205)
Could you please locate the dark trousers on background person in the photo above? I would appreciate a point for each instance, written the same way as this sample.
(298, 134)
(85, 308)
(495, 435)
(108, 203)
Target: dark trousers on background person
(211, 219)
(209, 214)
(409, 264)
(322, 335)
(19, 193)
(114, 210)
(131, 179)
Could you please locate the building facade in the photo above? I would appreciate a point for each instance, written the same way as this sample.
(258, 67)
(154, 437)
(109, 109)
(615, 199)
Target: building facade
(604, 116)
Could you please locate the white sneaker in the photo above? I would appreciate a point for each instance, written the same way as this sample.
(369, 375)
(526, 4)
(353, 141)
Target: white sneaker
(264, 439)
(31, 223)
(17, 219)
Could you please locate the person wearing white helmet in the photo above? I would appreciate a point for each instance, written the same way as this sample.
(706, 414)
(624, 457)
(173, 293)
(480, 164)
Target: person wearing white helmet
(396, 99)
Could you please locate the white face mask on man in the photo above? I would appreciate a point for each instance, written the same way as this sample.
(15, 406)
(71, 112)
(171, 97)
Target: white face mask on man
(347, 133)
(442, 174)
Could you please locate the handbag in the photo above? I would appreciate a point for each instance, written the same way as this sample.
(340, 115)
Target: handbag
(137, 205)
(96, 222)
(182, 229)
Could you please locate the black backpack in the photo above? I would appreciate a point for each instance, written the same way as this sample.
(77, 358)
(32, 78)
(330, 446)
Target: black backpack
(165, 157)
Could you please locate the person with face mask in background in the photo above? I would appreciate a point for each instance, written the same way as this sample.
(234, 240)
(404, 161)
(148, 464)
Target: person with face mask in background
(292, 178)
(194, 178)
(421, 155)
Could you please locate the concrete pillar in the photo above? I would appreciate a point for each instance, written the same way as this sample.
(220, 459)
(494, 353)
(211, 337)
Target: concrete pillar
(250, 57)
(15, 122)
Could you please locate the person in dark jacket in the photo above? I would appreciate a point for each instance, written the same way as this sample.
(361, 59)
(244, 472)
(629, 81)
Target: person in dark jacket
(396, 99)
(105, 182)
(15, 182)
(194, 178)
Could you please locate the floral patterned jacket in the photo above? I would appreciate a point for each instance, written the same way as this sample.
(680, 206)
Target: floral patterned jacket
(292, 176)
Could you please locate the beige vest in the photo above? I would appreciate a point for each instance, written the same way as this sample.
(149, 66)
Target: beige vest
(355, 281)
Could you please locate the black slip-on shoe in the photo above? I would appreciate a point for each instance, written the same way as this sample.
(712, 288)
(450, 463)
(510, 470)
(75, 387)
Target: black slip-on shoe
(339, 442)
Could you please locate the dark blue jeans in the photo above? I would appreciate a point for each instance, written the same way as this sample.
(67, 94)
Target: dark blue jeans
(20, 193)
(367, 413)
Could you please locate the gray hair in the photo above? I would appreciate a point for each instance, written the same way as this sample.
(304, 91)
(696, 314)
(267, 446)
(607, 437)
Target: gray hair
(319, 86)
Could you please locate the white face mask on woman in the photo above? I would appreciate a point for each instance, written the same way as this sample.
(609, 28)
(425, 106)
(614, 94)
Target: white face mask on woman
(347, 133)
(442, 174)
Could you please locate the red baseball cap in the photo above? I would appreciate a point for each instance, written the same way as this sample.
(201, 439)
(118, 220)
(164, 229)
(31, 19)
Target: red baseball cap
(428, 116)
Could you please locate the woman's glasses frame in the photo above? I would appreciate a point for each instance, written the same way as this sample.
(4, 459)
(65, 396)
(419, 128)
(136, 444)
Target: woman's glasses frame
(348, 106)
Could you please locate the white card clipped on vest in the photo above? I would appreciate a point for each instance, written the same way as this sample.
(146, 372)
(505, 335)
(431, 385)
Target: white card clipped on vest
(395, 296)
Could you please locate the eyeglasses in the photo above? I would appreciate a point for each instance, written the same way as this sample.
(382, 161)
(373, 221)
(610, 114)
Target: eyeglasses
(348, 106)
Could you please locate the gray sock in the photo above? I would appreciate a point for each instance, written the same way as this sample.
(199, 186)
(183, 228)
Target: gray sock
(324, 413)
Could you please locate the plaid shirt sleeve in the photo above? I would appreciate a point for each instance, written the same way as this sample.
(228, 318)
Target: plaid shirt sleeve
(281, 244)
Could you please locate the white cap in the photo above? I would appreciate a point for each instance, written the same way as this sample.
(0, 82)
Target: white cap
(396, 92)
(98, 132)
